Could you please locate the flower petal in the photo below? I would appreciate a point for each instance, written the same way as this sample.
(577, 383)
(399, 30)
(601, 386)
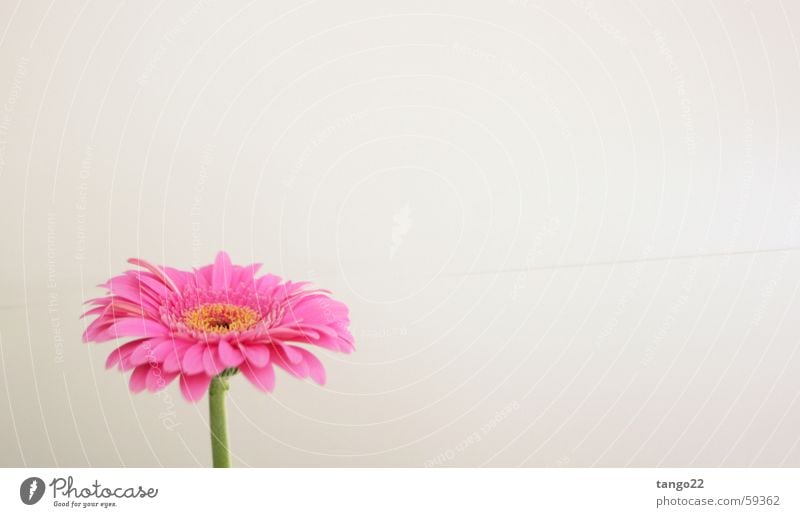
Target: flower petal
(138, 378)
(192, 362)
(127, 287)
(229, 355)
(151, 284)
(246, 274)
(293, 334)
(262, 378)
(96, 329)
(315, 368)
(172, 361)
(144, 327)
(165, 279)
(256, 354)
(119, 308)
(211, 361)
(162, 348)
(221, 274)
(299, 370)
(158, 379)
(122, 352)
(143, 353)
(292, 353)
(194, 387)
(268, 281)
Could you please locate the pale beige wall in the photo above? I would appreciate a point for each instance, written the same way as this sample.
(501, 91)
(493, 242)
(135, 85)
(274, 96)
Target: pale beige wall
(424, 160)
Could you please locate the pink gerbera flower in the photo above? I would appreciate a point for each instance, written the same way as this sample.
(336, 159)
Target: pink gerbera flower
(215, 321)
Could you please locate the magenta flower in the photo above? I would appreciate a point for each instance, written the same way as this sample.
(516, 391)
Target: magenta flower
(209, 323)
(194, 325)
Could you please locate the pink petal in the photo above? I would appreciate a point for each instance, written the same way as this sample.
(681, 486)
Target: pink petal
(128, 287)
(155, 350)
(151, 284)
(246, 274)
(179, 278)
(211, 361)
(105, 300)
(143, 353)
(262, 378)
(294, 334)
(319, 308)
(299, 370)
(172, 361)
(268, 281)
(291, 352)
(202, 276)
(119, 307)
(157, 379)
(256, 354)
(194, 387)
(138, 377)
(96, 329)
(315, 368)
(93, 311)
(230, 356)
(166, 280)
(320, 329)
(192, 361)
(163, 348)
(221, 273)
(136, 327)
(124, 351)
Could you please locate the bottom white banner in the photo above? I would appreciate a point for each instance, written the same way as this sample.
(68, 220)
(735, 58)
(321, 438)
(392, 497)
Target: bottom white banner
(406, 492)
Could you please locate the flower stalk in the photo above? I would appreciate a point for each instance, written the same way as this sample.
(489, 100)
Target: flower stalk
(220, 452)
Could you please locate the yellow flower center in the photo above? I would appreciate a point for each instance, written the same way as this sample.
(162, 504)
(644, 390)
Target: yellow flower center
(221, 317)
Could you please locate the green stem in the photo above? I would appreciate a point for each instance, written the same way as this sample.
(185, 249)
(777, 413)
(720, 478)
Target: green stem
(219, 430)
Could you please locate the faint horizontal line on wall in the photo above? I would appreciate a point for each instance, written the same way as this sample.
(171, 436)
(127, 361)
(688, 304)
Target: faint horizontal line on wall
(622, 261)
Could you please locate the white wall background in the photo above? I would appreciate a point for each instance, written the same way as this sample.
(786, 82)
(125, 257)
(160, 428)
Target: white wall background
(495, 188)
